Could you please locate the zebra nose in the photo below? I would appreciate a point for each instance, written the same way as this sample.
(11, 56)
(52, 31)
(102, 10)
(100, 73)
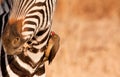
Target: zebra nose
(20, 49)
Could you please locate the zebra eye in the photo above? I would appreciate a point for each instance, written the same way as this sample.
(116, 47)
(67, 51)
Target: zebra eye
(16, 41)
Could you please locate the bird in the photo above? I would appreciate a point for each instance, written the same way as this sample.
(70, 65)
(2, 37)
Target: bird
(52, 47)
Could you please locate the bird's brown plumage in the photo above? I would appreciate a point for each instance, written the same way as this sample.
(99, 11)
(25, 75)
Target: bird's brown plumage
(52, 47)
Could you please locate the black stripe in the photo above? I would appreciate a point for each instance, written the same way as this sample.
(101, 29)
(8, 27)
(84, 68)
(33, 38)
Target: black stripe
(40, 4)
(34, 50)
(20, 6)
(46, 15)
(41, 11)
(40, 71)
(52, 4)
(17, 69)
(34, 16)
(49, 7)
(1, 24)
(3, 64)
(29, 5)
(43, 48)
(41, 32)
(44, 39)
(4, 17)
(26, 60)
(30, 22)
(37, 4)
(8, 3)
(46, 11)
(29, 29)
(39, 35)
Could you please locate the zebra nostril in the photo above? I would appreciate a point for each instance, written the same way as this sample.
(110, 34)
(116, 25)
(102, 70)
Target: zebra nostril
(29, 42)
(20, 49)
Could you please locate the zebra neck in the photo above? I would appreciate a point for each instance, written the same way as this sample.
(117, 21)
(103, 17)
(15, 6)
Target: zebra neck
(19, 65)
(35, 56)
(32, 59)
(15, 67)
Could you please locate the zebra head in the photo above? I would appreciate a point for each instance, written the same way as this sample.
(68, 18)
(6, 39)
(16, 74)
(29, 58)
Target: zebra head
(12, 38)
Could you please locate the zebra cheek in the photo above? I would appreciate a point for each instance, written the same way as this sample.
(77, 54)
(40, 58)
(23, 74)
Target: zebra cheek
(19, 26)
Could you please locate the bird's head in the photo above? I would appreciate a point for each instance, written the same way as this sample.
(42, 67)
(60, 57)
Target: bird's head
(12, 38)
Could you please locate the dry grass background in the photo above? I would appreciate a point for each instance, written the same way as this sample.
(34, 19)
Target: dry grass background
(90, 39)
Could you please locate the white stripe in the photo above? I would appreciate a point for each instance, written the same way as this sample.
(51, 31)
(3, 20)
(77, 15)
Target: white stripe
(40, 38)
(0, 58)
(28, 7)
(48, 23)
(37, 8)
(39, 1)
(26, 66)
(26, 37)
(40, 45)
(10, 72)
(28, 26)
(0, 72)
(37, 14)
(35, 56)
(31, 19)
(3, 22)
(43, 36)
(7, 8)
(27, 33)
(40, 76)
(1, 10)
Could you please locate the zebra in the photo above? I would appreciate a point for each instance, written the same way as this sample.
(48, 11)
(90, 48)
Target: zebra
(27, 38)
(5, 7)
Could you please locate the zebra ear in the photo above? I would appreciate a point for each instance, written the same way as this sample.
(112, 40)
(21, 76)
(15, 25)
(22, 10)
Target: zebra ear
(52, 48)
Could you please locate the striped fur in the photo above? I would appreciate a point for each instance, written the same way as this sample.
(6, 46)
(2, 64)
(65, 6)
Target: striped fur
(31, 22)
(36, 15)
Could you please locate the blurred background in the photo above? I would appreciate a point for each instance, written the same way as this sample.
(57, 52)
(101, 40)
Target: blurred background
(90, 39)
